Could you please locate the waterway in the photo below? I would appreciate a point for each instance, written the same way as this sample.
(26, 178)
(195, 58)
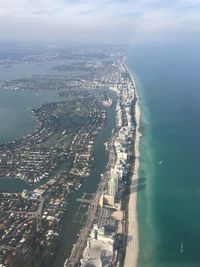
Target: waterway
(70, 229)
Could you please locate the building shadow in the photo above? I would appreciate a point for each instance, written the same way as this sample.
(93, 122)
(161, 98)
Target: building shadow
(138, 185)
(137, 188)
(139, 181)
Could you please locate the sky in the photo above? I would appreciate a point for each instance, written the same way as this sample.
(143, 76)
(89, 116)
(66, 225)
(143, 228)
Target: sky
(103, 21)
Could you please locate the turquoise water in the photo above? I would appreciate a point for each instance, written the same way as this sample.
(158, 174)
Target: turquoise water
(168, 208)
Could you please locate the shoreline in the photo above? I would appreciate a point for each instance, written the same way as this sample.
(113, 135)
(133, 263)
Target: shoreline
(132, 247)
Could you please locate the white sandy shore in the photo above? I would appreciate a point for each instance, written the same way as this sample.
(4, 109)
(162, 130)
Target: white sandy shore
(132, 248)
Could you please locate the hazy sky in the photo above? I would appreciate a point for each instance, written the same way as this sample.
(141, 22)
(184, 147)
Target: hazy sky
(118, 21)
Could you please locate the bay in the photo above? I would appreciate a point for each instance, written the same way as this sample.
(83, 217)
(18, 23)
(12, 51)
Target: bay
(15, 122)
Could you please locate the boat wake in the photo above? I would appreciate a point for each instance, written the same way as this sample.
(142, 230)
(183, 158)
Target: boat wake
(181, 248)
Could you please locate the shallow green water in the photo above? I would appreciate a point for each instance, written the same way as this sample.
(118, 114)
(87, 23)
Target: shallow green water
(168, 208)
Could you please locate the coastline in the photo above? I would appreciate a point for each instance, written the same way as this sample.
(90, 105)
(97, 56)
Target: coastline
(132, 247)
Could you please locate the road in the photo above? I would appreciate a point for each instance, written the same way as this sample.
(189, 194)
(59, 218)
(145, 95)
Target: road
(81, 242)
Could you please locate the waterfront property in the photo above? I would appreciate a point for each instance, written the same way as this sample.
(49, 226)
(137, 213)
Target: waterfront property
(57, 157)
(106, 239)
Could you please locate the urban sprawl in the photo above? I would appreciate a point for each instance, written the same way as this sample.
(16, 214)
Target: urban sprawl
(56, 158)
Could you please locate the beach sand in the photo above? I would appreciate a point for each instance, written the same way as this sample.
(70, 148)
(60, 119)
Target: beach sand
(132, 248)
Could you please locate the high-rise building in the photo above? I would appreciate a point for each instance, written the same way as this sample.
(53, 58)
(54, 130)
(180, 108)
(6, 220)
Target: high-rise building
(111, 187)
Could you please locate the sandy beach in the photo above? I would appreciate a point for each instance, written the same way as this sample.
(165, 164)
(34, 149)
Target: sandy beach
(132, 248)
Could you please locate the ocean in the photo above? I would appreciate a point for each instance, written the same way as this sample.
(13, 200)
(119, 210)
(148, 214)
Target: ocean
(167, 78)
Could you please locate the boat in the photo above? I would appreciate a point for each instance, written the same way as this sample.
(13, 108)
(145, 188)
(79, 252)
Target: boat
(160, 162)
(79, 186)
(106, 145)
(181, 249)
(65, 264)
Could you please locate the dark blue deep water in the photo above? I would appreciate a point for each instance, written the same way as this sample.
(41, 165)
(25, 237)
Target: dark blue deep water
(168, 81)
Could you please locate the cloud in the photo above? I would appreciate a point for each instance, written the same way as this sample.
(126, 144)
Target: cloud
(98, 20)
